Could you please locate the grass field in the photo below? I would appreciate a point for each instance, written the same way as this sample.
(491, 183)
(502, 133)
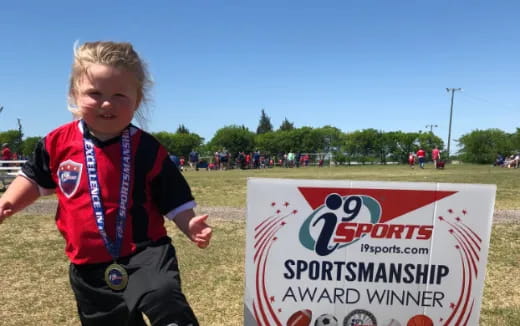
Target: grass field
(34, 271)
(227, 188)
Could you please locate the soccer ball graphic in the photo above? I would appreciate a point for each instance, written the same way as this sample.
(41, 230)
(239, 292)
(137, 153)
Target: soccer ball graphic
(326, 320)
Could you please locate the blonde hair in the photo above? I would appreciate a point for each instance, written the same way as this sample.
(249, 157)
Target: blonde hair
(119, 55)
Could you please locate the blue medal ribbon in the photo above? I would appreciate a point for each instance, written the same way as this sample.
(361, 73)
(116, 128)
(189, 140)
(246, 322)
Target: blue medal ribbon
(113, 247)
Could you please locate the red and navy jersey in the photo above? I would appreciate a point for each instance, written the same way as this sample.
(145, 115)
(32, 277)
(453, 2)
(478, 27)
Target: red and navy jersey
(157, 189)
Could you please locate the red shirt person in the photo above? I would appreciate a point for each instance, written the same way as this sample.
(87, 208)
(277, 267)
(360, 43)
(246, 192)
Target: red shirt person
(6, 152)
(436, 156)
(411, 159)
(420, 155)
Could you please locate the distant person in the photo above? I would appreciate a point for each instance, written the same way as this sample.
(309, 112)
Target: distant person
(512, 161)
(499, 161)
(7, 155)
(223, 159)
(115, 184)
(411, 160)
(175, 160)
(182, 162)
(420, 156)
(436, 156)
(256, 159)
(290, 158)
(193, 160)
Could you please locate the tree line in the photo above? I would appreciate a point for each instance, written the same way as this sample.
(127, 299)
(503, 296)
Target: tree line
(364, 146)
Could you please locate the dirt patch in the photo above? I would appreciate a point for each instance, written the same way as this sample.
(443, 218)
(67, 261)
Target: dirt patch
(506, 216)
(48, 207)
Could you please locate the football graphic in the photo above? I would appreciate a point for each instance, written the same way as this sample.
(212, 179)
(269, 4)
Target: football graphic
(326, 320)
(300, 318)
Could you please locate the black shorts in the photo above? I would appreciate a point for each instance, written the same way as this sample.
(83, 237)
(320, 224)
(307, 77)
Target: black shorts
(154, 288)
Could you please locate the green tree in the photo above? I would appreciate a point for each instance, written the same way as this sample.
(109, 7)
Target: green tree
(482, 146)
(269, 143)
(365, 145)
(13, 138)
(29, 144)
(182, 130)
(406, 143)
(331, 139)
(516, 140)
(179, 144)
(264, 124)
(234, 139)
(286, 125)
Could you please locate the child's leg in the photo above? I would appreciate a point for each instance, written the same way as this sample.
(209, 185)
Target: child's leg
(157, 289)
(97, 304)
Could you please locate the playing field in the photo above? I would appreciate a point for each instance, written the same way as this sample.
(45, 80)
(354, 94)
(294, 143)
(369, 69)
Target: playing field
(34, 271)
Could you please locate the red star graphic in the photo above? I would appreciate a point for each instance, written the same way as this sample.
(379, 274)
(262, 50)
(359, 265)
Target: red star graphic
(295, 211)
(273, 204)
(441, 319)
(286, 204)
(457, 246)
(271, 299)
(275, 238)
(282, 223)
(464, 211)
(279, 310)
(441, 218)
(450, 231)
(452, 305)
(277, 211)
(450, 210)
(457, 219)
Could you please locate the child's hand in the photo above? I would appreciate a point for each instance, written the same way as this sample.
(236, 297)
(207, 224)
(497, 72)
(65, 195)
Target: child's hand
(199, 231)
(5, 210)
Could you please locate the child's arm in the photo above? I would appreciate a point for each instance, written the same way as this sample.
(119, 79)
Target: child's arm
(194, 227)
(21, 193)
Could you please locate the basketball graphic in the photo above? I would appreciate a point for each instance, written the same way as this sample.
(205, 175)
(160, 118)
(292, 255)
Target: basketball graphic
(391, 322)
(300, 318)
(420, 320)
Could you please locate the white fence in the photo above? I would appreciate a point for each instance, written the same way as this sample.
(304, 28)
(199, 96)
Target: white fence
(8, 171)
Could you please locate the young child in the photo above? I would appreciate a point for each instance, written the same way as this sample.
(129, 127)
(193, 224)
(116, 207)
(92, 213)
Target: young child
(411, 159)
(115, 184)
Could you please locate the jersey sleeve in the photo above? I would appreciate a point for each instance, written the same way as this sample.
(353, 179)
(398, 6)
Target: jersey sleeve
(171, 192)
(37, 168)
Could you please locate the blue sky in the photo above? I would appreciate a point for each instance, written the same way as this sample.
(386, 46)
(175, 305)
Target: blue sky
(350, 64)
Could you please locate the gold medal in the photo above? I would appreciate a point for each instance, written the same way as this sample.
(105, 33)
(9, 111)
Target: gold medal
(116, 277)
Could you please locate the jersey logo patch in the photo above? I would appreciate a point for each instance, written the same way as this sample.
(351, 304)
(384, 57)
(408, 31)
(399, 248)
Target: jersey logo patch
(69, 176)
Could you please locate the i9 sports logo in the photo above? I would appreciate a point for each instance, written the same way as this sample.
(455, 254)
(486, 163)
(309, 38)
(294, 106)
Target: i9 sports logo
(343, 220)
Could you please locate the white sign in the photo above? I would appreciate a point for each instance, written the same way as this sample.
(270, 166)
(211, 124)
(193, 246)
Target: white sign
(355, 253)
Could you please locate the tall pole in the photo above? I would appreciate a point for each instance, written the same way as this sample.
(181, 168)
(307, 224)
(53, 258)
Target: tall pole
(20, 136)
(452, 90)
(431, 127)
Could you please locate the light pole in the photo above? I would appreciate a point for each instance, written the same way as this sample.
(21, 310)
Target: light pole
(431, 127)
(452, 90)
(20, 136)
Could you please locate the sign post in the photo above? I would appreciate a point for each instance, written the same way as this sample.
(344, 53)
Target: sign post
(354, 253)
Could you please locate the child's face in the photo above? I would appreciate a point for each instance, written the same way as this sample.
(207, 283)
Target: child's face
(107, 99)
